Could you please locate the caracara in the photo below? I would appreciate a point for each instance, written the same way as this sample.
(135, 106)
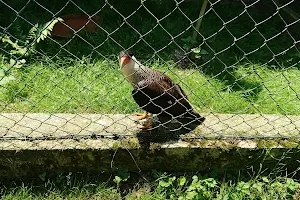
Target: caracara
(155, 92)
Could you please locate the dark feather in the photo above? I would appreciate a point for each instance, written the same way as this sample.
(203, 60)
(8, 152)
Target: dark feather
(162, 96)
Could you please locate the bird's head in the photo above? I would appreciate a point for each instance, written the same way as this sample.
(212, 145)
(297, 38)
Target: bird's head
(126, 59)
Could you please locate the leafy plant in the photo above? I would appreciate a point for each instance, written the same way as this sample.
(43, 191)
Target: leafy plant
(16, 48)
(165, 184)
(38, 33)
(200, 189)
(122, 176)
(199, 52)
(243, 187)
(179, 188)
(19, 52)
(35, 35)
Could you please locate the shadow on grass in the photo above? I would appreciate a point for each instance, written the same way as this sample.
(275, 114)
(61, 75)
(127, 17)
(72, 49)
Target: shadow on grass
(233, 81)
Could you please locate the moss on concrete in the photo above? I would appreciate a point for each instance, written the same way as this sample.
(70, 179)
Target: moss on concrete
(158, 149)
(278, 143)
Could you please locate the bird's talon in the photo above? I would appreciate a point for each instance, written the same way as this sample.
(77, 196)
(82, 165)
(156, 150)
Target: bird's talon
(145, 126)
(141, 116)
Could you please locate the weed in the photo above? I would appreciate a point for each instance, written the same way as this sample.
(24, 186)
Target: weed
(164, 186)
(122, 176)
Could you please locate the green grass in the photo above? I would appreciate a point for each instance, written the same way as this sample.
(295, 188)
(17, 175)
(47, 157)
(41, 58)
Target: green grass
(159, 186)
(83, 75)
(99, 87)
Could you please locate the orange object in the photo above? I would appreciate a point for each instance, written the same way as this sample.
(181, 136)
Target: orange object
(75, 22)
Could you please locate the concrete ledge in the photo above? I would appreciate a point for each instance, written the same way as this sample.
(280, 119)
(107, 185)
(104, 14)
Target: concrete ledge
(31, 144)
(16, 125)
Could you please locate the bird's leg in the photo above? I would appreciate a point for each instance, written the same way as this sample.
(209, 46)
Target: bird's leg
(147, 124)
(141, 116)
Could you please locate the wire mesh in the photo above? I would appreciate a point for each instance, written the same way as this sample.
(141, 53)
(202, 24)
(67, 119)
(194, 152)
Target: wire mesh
(239, 58)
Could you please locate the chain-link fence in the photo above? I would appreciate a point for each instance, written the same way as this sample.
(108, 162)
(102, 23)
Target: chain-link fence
(235, 62)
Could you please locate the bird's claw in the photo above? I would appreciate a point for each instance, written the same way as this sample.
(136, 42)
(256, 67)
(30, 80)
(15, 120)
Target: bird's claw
(141, 116)
(145, 126)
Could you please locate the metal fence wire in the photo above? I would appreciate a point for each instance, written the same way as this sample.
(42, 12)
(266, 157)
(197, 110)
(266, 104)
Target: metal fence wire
(236, 60)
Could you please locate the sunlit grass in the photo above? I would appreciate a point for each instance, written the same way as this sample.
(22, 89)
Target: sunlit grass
(82, 75)
(99, 87)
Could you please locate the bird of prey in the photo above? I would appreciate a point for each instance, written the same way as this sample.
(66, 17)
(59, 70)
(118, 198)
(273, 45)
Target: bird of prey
(155, 92)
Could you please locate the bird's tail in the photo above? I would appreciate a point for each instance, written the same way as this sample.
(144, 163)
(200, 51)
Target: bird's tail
(193, 115)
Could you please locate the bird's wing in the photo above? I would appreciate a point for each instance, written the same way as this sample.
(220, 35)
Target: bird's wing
(162, 91)
(172, 84)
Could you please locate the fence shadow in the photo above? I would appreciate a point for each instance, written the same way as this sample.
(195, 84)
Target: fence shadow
(233, 81)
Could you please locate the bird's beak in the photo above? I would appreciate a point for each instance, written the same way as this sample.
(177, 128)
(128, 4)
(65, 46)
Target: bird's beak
(124, 61)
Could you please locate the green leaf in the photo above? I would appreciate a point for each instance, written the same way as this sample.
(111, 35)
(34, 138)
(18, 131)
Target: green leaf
(277, 185)
(181, 198)
(123, 174)
(198, 56)
(47, 28)
(210, 182)
(5, 78)
(32, 33)
(258, 186)
(243, 187)
(23, 51)
(195, 178)
(43, 176)
(225, 197)
(2, 73)
(263, 198)
(191, 195)
(196, 50)
(38, 33)
(172, 179)
(164, 184)
(17, 50)
(265, 179)
(291, 184)
(203, 52)
(199, 51)
(188, 42)
(16, 63)
(191, 188)
(234, 196)
(185, 46)
(181, 180)
(117, 180)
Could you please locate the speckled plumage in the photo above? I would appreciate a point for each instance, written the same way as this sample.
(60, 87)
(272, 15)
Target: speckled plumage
(143, 73)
